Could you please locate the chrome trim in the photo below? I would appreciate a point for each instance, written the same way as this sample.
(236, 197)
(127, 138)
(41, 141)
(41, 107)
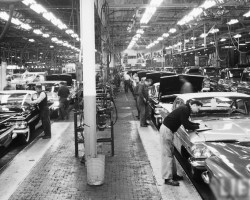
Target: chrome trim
(205, 177)
(21, 131)
(33, 118)
(7, 132)
(199, 164)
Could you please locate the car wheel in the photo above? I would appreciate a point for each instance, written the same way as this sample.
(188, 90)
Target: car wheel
(25, 138)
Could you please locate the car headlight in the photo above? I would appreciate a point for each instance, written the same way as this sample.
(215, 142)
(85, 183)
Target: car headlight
(200, 151)
(20, 124)
(56, 104)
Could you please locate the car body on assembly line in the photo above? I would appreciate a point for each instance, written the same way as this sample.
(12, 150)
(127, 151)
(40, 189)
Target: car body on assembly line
(24, 116)
(163, 94)
(228, 170)
(6, 130)
(51, 88)
(226, 116)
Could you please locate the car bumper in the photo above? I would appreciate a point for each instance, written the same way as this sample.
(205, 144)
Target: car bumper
(21, 131)
(197, 163)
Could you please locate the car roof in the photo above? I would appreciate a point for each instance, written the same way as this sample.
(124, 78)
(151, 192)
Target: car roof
(17, 91)
(188, 96)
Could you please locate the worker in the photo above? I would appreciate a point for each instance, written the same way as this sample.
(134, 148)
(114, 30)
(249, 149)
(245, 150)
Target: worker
(170, 125)
(63, 94)
(9, 86)
(142, 100)
(42, 102)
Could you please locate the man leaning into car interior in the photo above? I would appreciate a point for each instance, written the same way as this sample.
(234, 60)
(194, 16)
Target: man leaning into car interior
(42, 103)
(170, 125)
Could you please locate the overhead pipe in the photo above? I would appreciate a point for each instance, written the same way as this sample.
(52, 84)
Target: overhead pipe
(7, 25)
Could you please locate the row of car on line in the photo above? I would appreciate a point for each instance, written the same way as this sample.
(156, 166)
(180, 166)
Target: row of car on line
(19, 118)
(219, 154)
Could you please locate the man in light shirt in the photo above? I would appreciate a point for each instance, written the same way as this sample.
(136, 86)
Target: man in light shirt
(126, 81)
(42, 103)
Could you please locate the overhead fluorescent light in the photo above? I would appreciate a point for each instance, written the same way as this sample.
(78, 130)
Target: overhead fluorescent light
(140, 31)
(150, 10)
(203, 35)
(31, 40)
(233, 21)
(197, 11)
(214, 30)
(247, 14)
(37, 31)
(45, 35)
(242, 44)
(172, 30)
(223, 39)
(38, 8)
(193, 38)
(186, 40)
(165, 35)
(237, 36)
(28, 2)
(26, 26)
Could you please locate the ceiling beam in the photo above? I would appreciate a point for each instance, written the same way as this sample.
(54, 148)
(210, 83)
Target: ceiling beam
(166, 6)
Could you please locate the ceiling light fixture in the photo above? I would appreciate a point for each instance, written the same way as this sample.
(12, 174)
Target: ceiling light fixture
(165, 35)
(28, 2)
(37, 31)
(45, 35)
(203, 35)
(38, 8)
(172, 30)
(233, 21)
(150, 10)
(31, 40)
(247, 14)
(140, 31)
(237, 36)
(198, 11)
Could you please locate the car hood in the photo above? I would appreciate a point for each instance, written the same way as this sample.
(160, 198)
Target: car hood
(172, 84)
(233, 159)
(227, 130)
(155, 76)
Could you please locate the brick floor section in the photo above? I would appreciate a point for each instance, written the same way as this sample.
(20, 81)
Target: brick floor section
(128, 175)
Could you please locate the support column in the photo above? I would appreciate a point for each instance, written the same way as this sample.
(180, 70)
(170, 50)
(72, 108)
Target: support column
(89, 91)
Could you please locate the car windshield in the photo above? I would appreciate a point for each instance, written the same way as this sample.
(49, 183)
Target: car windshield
(12, 99)
(194, 71)
(224, 106)
(235, 73)
(210, 70)
(246, 76)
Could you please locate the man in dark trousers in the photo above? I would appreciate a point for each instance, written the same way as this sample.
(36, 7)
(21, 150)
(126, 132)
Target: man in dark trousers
(63, 94)
(171, 123)
(44, 111)
(142, 100)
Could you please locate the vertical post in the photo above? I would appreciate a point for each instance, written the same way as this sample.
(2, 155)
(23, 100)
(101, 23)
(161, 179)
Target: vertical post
(76, 134)
(88, 52)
